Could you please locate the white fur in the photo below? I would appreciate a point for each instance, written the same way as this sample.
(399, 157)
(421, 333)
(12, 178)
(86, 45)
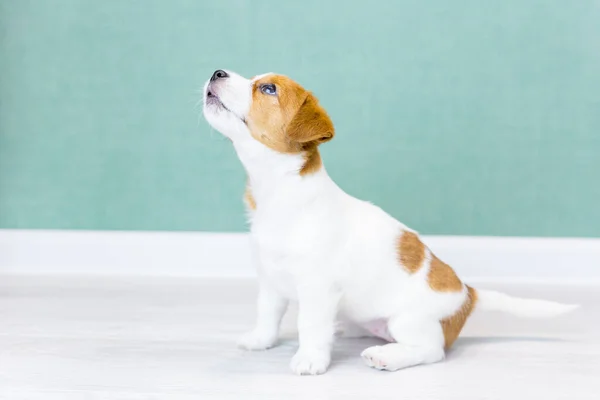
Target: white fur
(527, 308)
(335, 255)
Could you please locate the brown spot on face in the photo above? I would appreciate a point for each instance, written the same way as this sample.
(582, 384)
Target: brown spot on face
(452, 326)
(291, 121)
(411, 251)
(442, 278)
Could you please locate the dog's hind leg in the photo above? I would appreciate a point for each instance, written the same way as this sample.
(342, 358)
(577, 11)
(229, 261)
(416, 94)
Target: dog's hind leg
(419, 340)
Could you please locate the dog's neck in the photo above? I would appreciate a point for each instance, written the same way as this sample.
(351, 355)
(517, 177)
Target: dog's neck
(269, 171)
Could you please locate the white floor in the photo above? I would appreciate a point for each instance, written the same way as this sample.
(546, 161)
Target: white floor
(84, 338)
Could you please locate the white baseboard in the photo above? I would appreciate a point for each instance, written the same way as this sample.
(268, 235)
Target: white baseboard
(227, 255)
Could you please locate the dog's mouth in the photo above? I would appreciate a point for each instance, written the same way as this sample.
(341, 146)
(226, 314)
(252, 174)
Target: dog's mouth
(212, 98)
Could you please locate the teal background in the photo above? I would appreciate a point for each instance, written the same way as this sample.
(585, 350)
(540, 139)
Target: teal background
(457, 117)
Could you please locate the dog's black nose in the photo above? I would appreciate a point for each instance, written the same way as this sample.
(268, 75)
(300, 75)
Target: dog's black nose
(219, 74)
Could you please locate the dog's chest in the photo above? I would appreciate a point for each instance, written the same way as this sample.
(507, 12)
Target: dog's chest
(276, 255)
(289, 243)
(281, 240)
(287, 227)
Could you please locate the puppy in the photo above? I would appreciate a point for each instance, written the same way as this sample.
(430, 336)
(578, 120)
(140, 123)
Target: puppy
(341, 258)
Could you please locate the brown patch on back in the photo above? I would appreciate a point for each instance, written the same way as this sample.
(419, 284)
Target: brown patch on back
(452, 326)
(441, 277)
(411, 251)
(290, 122)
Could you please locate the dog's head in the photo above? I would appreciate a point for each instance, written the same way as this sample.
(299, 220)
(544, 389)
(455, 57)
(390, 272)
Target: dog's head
(270, 109)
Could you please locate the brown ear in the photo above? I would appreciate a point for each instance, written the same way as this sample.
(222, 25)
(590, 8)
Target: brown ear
(311, 123)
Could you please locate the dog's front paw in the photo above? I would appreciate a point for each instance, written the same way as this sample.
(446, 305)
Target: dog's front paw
(314, 363)
(256, 341)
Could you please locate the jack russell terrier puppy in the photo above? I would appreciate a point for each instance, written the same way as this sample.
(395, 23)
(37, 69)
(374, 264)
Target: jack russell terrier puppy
(342, 259)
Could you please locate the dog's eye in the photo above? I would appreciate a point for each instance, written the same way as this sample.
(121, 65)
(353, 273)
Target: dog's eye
(269, 89)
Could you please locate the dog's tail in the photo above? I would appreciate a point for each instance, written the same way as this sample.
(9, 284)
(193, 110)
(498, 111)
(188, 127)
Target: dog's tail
(527, 308)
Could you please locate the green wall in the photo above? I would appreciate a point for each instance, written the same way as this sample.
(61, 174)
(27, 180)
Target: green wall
(458, 117)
